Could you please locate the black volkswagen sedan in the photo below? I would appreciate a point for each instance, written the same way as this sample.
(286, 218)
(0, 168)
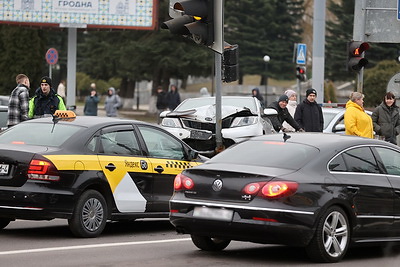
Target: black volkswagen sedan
(323, 192)
(88, 170)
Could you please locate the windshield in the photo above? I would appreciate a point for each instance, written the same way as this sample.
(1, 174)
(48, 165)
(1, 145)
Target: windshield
(41, 134)
(268, 154)
(192, 103)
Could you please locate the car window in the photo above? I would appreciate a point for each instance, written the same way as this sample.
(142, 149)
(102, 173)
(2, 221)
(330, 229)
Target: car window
(360, 159)
(338, 164)
(41, 134)
(119, 142)
(268, 154)
(328, 117)
(390, 159)
(160, 144)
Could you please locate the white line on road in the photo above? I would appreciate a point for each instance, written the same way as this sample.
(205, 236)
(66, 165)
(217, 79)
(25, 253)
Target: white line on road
(92, 246)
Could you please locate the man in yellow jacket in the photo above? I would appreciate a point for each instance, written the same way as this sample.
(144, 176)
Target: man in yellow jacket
(356, 120)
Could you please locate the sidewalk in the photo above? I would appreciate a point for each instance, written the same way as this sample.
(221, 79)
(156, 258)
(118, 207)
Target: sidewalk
(141, 114)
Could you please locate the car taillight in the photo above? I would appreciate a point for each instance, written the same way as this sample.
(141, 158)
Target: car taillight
(271, 189)
(279, 189)
(42, 169)
(182, 182)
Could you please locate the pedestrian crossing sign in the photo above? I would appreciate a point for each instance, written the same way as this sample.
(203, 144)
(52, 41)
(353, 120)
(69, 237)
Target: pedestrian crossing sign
(301, 54)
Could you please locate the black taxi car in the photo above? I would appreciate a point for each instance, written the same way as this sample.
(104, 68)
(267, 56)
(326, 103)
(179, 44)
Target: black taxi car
(88, 170)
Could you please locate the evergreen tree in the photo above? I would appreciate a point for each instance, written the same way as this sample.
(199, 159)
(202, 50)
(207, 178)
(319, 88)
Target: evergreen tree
(22, 50)
(264, 27)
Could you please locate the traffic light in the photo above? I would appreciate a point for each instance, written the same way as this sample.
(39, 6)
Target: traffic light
(230, 66)
(196, 20)
(301, 73)
(355, 59)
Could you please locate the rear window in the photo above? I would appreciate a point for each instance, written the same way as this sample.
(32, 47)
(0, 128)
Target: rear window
(41, 134)
(268, 154)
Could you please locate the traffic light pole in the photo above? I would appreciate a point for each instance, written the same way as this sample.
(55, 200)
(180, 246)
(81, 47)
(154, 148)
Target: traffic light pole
(219, 33)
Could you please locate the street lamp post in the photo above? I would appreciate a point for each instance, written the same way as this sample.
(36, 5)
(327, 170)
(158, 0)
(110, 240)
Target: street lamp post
(266, 60)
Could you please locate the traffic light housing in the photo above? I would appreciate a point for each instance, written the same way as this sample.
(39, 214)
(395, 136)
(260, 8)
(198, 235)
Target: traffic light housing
(355, 59)
(230, 66)
(196, 21)
(301, 73)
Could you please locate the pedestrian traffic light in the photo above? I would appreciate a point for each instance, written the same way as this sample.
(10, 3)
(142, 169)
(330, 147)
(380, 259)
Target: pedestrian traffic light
(355, 59)
(230, 66)
(196, 20)
(301, 73)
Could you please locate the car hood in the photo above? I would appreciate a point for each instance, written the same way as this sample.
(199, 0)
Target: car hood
(208, 113)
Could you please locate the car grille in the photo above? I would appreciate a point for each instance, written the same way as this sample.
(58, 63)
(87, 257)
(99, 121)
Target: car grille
(226, 123)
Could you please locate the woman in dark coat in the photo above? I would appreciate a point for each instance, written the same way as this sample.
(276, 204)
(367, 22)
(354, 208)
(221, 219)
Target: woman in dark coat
(386, 119)
(174, 99)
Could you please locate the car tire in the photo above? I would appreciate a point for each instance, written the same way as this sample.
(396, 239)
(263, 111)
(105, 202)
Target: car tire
(90, 215)
(208, 243)
(4, 223)
(332, 236)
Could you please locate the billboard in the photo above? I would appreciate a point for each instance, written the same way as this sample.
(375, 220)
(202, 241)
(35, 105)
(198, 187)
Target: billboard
(117, 14)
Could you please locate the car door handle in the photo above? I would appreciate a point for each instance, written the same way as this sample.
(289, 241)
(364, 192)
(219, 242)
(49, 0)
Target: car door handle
(353, 189)
(159, 169)
(110, 167)
(397, 192)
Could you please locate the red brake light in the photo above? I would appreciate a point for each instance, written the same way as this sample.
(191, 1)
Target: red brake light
(183, 182)
(279, 189)
(42, 169)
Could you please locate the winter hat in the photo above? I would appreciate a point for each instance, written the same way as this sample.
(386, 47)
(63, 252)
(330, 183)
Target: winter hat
(311, 91)
(283, 98)
(46, 79)
(289, 93)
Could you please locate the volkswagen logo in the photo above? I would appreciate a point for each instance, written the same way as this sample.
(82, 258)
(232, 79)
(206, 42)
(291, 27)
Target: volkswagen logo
(217, 185)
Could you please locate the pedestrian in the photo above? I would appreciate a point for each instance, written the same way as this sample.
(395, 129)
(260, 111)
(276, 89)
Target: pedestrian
(386, 119)
(91, 102)
(291, 106)
(283, 115)
(356, 120)
(112, 103)
(255, 92)
(45, 101)
(18, 104)
(309, 114)
(174, 99)
(204, 92)
(61, 89)
(162, 101)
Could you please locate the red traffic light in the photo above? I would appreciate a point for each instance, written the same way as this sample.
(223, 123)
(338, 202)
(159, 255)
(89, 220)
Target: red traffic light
(301, 73)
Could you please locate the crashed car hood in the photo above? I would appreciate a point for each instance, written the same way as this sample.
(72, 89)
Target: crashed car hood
(207, 113)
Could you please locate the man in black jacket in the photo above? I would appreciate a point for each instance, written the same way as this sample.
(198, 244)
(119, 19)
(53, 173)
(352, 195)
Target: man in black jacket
(309, 114)
(283, 115)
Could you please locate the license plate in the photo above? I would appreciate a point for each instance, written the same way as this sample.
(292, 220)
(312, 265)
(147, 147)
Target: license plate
(212, 213)
(200, 135)
(3, 169)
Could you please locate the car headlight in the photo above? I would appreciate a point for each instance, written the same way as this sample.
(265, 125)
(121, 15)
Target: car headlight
(244, 121)
(171, 122)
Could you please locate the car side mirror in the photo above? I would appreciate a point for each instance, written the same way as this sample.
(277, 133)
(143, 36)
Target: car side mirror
(192, 154)
(270, 112)
(338, 128)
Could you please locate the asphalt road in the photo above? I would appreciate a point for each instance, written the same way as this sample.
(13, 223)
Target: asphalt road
(152, 243)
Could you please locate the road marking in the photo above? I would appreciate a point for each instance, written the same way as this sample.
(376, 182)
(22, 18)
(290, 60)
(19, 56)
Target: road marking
(11, 252)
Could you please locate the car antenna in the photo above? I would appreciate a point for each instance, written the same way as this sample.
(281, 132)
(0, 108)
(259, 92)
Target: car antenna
(286, 137)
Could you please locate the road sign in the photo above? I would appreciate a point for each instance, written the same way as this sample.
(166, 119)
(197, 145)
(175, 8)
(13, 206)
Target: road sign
(301, 54)
(398, 11)
(52, 56)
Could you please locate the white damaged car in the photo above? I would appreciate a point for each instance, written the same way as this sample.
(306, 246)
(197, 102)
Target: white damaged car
(193, 121)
